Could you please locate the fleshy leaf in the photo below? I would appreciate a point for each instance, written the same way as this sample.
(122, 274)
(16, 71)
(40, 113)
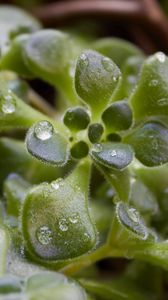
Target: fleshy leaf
(117, 49)
(46, 144)
(150, 142)
(76, 118)
(49, 54)
(14, 20)
(66, 229)
(79, 150)
(95, 132)
(95, 80)
(112, 155)
(15, 190)
(150, 98)
(118, 116)
(4, 243)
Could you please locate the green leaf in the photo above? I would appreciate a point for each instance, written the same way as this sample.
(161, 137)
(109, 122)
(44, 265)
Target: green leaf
(150, 98)
(79, 150)
(66, 229)
(96, 78)
(112, 155)
(4, 244)
(14, 113)
(117, 49)
(46, 144)
(15, 190)
(118, 116)
(14, 20)
(150, 142)
(95, 132)
(13, 58)
(49, 54)
(76, 118)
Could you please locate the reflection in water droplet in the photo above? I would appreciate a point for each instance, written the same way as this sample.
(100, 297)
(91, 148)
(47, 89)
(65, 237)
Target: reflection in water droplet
(84, 60)
(8, 105)
(162, 102)
(161, 57)
(43, 130)
(44, 235)
(63, 225)
(113, 153)
(56, 184)
(74, 218)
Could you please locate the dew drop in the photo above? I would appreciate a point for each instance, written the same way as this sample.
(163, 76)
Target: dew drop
(8, 105)
(113, 153)
(43, 130)
(107, 64)
(74, 218)
(57, 183)
(84, 60)
(97, 148)
(153, 82)
(133, 214)
(44, 235)
(162, 102)
(161, 57)
(63, 225)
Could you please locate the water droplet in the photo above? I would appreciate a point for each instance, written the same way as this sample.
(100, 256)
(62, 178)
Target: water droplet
(153, 82)
(97, 148)
(161, 57)
(162, 102)
(43, 130)
(63, 225)
(56, 184)
(107, 64)
(113, 153)
(44, 235)
(74, 218)
(8, 105)
(84, 60)
(133, 214)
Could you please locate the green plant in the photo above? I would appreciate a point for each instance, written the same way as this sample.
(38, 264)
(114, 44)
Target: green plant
(90, 182)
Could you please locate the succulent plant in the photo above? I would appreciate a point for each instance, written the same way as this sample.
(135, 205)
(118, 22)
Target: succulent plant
(85, 182)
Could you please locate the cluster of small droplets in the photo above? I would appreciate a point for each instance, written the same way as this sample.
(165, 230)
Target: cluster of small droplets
(8, 104)
(43, 130)
(44, 235)
(84, 60)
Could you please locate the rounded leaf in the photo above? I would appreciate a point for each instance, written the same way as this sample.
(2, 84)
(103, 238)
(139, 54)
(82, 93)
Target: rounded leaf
(79, 150)
(118, 116)
(150, 142)
(46, 144)
(65, 229)
(76, 118)
(95, 132)
(96, 78)
(112, 155)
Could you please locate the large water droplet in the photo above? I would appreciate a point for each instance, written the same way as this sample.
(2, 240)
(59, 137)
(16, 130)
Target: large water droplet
(43, 130)
(44, 235)
(8, 105)
(161, 57)
(56, 184)
(74, 218)
(63, 225)
(153, 82)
